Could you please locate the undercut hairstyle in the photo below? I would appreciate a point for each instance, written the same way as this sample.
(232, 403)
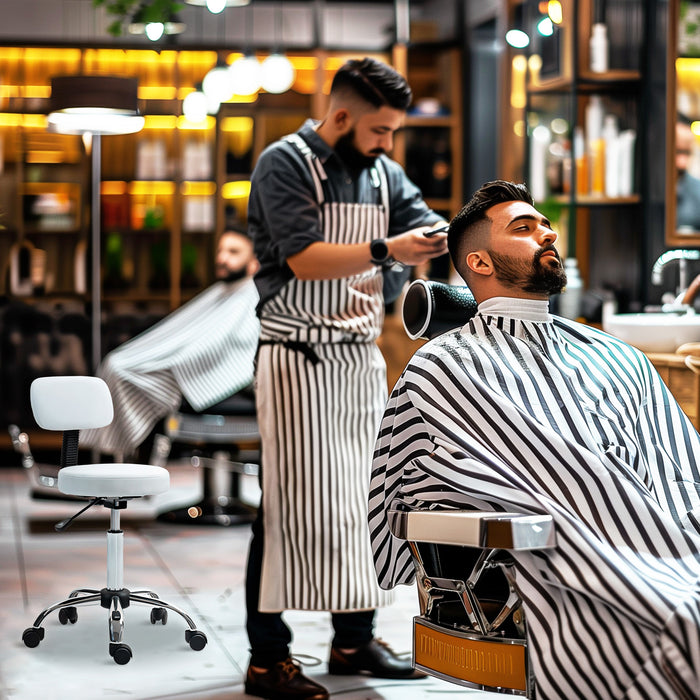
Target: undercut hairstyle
(374, 82)
(465, 224)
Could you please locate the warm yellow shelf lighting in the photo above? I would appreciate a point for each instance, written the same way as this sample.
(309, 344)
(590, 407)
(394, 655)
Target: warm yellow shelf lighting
(198, 189)
(113, 187)
(46, 187)
(237, 124)
(688, 73)
(28, 121)
(236, 189)
(183, 123)
(47, 157)
(160, 121)
(157, 92)
(151, 187)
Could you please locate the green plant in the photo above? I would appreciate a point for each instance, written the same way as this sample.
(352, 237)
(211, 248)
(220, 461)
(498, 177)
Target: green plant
(149, 11)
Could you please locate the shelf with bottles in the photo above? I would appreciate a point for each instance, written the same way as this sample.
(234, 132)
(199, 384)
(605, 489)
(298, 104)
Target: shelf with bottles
(582, 148)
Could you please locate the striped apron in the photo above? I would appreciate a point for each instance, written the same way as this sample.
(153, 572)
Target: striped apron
(321, 391)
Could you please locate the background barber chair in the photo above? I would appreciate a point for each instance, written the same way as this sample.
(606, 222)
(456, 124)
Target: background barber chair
(471, 629)
(223, 442)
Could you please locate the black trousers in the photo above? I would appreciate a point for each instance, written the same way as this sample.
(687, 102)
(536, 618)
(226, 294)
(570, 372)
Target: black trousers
(268, 634)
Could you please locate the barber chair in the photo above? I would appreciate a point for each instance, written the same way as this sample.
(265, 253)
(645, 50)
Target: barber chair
(224, 444)
(471, 629)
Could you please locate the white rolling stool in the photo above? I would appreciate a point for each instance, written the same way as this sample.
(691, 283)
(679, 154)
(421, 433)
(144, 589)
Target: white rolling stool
(71, 404)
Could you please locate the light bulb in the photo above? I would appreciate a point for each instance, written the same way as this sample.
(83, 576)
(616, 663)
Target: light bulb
(218, 85)
(216, 6)
(517, 38)
(194, 106)
(278, 73)
(154, 30)
(246, 75)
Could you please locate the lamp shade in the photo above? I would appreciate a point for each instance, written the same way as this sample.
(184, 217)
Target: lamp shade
(99, 104)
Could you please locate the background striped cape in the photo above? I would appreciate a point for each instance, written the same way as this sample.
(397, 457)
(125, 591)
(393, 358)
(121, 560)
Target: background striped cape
(203, 351)
(562, 419)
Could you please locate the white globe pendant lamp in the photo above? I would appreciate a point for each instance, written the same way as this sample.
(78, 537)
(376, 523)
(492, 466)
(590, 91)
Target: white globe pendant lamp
(246, 75)
(218, 84)
(278, 73)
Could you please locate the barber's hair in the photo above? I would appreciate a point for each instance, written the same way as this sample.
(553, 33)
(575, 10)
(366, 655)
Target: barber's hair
(374, 82)
(474, 211)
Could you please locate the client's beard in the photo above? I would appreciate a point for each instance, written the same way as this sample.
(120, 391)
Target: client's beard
(535, 278)
(231, 275)
(354, 160)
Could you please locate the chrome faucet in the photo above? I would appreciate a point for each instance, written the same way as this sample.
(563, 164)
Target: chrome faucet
(682, 255)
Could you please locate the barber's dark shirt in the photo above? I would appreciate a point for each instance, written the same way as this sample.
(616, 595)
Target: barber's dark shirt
(283, 212)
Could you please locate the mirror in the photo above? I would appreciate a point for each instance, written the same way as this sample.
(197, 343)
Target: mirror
(683, 125)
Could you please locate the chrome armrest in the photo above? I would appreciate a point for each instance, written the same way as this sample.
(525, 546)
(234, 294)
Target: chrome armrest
(469, 528)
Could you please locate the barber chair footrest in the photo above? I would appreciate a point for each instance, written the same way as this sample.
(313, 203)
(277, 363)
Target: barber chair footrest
(487, 663)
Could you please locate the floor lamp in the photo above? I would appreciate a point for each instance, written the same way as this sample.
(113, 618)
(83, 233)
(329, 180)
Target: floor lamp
(97, 105)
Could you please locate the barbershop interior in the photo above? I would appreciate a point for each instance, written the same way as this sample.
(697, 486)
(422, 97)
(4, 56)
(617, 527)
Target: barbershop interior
(129, 132)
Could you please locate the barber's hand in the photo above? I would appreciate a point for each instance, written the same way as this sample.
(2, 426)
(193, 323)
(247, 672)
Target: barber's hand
(413, 247)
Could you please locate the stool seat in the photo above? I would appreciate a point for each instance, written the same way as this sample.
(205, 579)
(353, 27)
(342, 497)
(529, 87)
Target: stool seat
(113, 480)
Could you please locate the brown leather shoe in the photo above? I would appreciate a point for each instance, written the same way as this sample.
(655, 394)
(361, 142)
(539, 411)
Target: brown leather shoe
(284, 681)
(375, 658)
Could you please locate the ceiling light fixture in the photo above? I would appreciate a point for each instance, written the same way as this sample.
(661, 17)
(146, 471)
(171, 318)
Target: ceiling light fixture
(217, 6)
(217, 84)
(278, 73)
(143, 22)
(246, 75)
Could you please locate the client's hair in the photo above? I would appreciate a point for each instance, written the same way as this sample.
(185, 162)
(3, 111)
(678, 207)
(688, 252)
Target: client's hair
(474, 211)
(374, 82)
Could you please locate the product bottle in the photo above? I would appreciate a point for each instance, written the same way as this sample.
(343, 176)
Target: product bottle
(599, 48)
(570, 299)
(596, 145)
(581, 158)
(612, 156)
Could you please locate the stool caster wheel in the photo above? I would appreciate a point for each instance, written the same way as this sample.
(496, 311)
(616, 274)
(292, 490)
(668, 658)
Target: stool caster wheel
(196, 639)
(121, 653)
(159, 615)
(32, 636)
(66, 615)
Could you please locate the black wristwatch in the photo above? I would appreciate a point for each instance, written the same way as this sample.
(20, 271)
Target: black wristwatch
(379, 250)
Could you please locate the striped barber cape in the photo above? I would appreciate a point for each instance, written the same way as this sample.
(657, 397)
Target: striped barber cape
(203, 351)
(555, 417)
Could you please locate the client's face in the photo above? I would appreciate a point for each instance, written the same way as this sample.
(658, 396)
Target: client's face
(522, 250)
(234, 256)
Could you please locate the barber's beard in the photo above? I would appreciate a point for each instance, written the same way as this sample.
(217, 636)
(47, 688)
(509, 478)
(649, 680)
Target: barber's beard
(223, 274)
(534, 277)
(354, 159)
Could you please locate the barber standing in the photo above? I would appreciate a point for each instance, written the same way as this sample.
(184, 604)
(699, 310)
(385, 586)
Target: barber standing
(329, 214)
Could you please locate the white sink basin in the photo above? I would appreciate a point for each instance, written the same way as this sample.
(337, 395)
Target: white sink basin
(654, 332)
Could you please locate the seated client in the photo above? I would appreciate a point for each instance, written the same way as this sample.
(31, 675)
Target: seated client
(526, 412)
(203, 351)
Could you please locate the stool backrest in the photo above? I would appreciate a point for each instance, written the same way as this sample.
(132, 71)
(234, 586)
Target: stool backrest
(71, 403)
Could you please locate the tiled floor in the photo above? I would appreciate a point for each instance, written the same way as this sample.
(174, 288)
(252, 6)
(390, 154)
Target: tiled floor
(198, 568)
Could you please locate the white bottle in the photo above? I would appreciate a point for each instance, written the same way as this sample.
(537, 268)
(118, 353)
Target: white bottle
(599, 48)
(612, 156)
(570, 298)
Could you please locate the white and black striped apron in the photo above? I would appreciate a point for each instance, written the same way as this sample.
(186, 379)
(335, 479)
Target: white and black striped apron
(321, 390)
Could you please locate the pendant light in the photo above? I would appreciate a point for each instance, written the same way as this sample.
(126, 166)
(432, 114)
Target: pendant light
(217, 6)
(278, 73)
(246, 72)
(152, 27)
(218, 84)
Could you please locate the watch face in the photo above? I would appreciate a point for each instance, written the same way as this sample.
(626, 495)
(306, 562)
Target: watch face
(379, 250)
